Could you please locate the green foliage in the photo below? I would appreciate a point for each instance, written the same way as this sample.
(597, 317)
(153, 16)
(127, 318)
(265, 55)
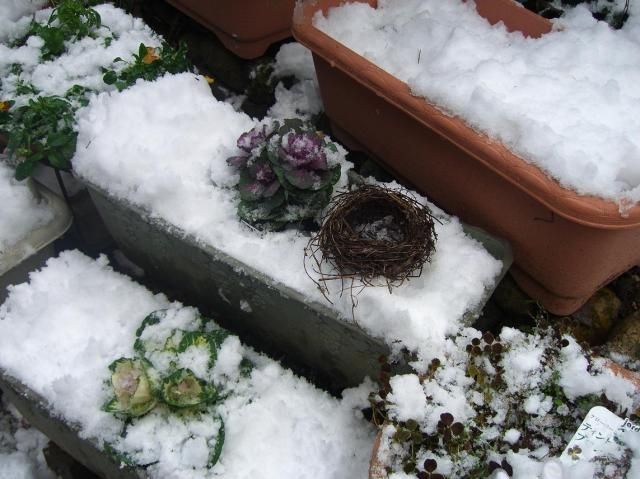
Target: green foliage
(149, 63)
(262, 83)
(41, 130)
(216, 450)
(78, 95)
(24, 88)
(15, 69)
(497, 405)
(604, 11)
(5, 114)
(120, 457)
(211, 340)
(70, 20)
(173, 389)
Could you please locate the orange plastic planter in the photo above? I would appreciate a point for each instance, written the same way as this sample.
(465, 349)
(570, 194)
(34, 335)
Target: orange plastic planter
(246, 27)
(565, 245)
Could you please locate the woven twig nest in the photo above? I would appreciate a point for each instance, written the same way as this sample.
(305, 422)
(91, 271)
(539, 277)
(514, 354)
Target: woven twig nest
(372, 233)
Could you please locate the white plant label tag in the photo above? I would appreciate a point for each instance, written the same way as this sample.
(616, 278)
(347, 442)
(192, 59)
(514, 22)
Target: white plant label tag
(594, 437)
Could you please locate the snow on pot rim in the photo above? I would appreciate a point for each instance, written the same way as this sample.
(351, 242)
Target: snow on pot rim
(163, 145)
(588, 210)
(33, 217)
(276, 423)
(23, 211)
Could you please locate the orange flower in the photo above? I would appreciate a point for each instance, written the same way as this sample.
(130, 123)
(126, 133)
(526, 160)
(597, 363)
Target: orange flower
(4, 106)
(151, 56)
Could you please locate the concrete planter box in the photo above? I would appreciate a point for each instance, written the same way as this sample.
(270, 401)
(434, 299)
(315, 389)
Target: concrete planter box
(33, 251)
(34, 408)
(246, 27)
(566, 246)
(307, 332)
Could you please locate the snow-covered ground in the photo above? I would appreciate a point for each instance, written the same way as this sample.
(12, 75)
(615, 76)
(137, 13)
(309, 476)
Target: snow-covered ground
(566, 102)
(162, 145)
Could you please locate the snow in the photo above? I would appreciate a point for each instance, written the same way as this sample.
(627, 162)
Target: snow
(302, 99)
(81, 64)
(21, 447)
(512, 436)
(565, 102)
(79, 315)
(526, 370)
(576, 380)
(411, 402)
(15, 15)
(163, 146)
(21, 210)
(524, 359)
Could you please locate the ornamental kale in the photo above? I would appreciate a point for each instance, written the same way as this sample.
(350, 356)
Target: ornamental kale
(134, 387)
(285, 175)
(183, 389)
(155, 379)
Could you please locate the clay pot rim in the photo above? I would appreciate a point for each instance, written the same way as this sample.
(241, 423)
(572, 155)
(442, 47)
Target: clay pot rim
(377, 469)
(591, 211)
(234, 22)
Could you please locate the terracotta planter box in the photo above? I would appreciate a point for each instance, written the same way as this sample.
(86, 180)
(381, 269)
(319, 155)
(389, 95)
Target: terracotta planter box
(246, 27)
(565, 245)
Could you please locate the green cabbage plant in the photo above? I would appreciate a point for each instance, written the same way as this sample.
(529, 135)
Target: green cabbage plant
(154, 378)
(134, 386)
(182, 389)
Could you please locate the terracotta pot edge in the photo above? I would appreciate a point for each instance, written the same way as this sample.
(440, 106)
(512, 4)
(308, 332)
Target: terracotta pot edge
(242, 39)
(590, 211)
(622, 372)
(377, 470)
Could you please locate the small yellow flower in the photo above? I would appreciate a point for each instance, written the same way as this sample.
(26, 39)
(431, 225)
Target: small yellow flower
(151, 56)
(4, 106)
(210, 80)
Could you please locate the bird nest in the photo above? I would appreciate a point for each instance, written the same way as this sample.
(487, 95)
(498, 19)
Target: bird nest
(372, 236)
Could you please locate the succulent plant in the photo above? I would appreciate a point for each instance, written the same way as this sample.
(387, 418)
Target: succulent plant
(285, 175)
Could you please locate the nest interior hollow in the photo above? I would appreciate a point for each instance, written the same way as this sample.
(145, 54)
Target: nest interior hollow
(375, 232)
